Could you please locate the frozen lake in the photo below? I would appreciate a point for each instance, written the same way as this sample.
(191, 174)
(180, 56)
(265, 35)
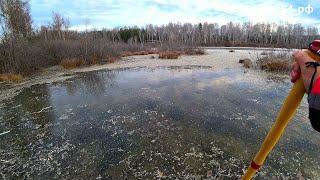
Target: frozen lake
(144, 123)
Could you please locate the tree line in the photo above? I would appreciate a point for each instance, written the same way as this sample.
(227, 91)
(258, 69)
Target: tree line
(24, 49)
(232, 34)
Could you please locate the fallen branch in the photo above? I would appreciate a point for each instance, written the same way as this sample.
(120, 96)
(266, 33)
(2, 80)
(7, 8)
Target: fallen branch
(6, 132)
(43, 109)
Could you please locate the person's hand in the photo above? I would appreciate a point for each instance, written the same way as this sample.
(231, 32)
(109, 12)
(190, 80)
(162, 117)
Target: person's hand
(299, 68)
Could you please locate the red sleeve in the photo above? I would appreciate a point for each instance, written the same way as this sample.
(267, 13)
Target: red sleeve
(314, 105)
(316, 87)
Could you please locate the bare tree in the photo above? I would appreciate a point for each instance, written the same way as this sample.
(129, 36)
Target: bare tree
(59, 25)
(15, 17)
(16, 26)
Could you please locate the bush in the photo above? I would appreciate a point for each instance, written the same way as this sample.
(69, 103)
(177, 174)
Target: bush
(153, 52)
(194, 52)
(138, 53)
(275, 64)
(280, 62)
(70, 63)
(18, 56)
(169, 55)
(95, 59)
(126, 54)
(112, 59)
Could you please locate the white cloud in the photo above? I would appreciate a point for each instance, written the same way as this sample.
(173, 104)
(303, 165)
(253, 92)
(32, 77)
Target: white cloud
(111, 13)
(255, 11)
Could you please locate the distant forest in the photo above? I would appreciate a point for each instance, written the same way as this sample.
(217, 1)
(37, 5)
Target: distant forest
(232, 34)
(25, 49)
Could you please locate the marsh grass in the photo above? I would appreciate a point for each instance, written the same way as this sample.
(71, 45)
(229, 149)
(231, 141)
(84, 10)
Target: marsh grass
(275, 62)
(169, 55)
(194, 52)
(71, 63)
(11, 77)
(112, 59)
(138, 53)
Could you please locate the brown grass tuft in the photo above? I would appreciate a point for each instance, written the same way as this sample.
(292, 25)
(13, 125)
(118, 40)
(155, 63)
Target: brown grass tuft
(275, 61)
(95, 59)
(153, 52)
(112, 59)
(169, 55)
(195, 52)
(138, 53)
(126, 54)
(11, 77)
(70, 63)
(279, 65)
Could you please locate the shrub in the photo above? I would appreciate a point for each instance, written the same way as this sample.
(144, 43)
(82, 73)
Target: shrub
(231, 50)
(112, 59)
(195, 52)
(126, 54)
(138, 53)
(280, 62)
(169, 55)
(11, 77)
(95, 59)
(70, 63)
(153, 52)
(274, 64)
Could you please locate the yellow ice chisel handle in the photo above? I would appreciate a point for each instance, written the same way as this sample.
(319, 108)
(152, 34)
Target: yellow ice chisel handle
(285, 115)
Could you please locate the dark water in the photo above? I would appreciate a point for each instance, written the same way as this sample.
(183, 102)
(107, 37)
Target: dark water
(186, 123)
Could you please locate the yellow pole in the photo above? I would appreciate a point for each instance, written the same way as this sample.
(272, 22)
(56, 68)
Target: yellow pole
(285, 115)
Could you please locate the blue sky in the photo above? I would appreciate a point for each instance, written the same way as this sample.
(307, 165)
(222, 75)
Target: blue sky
(113, 13)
